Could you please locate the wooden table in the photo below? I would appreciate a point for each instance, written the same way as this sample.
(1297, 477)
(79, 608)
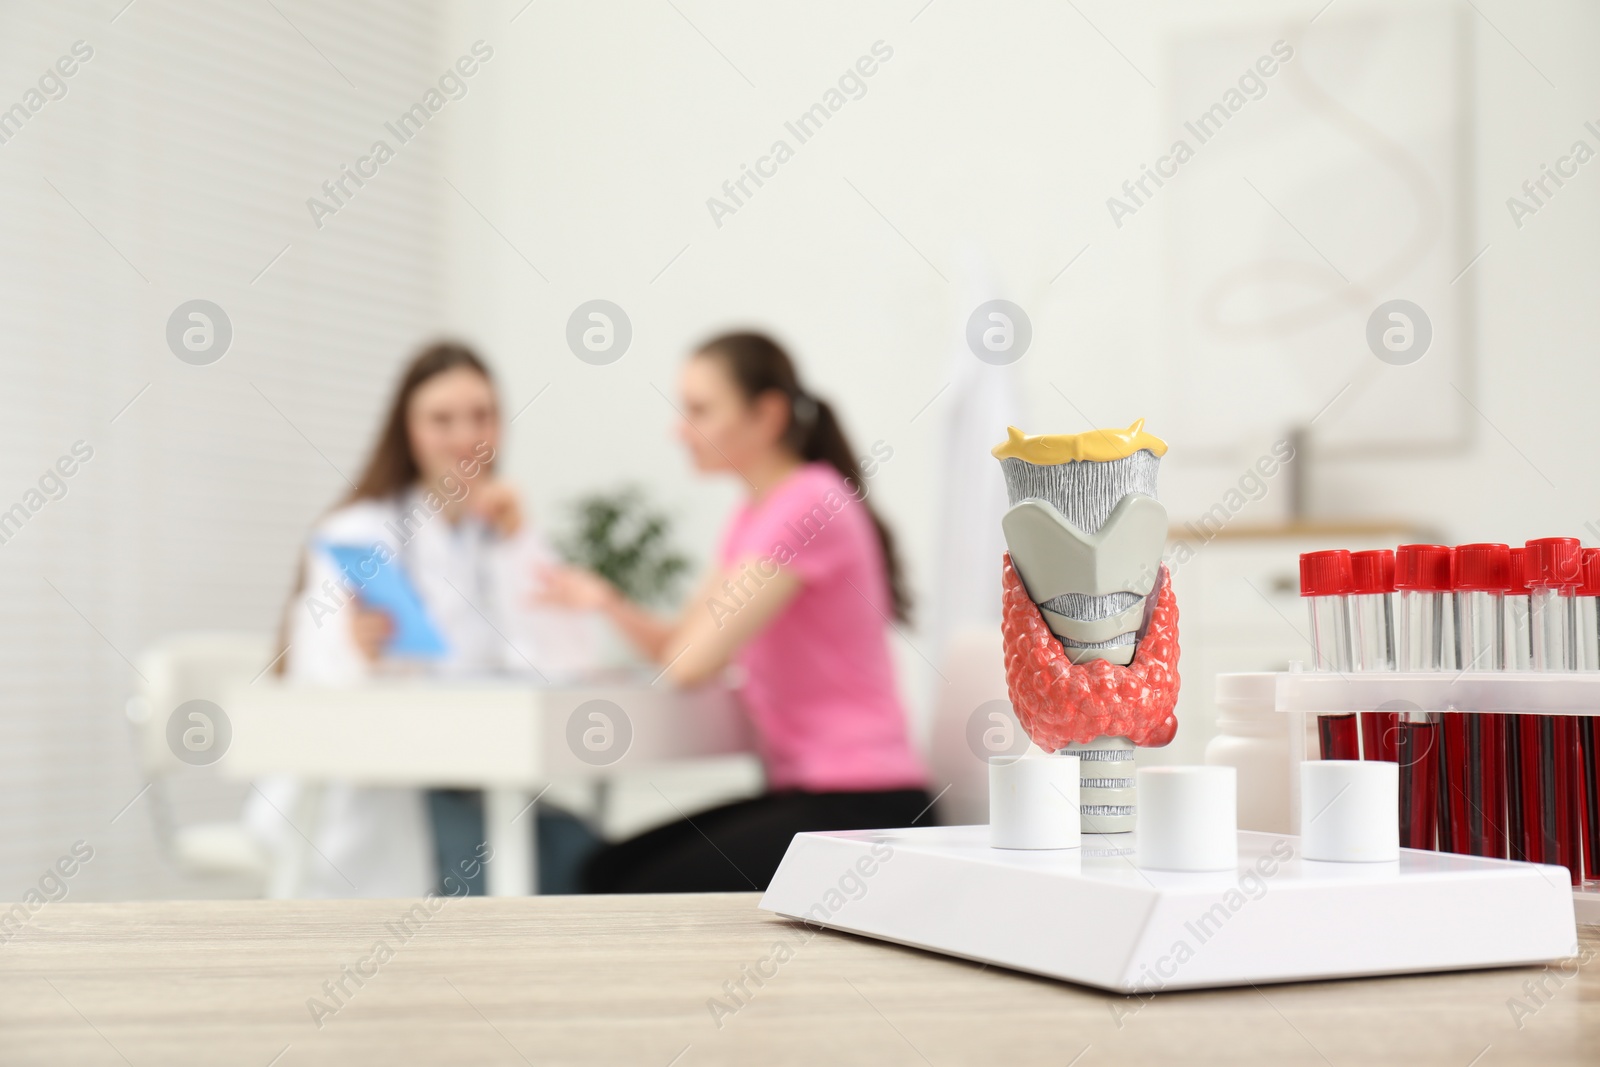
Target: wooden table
(509, 738)
(627, 980)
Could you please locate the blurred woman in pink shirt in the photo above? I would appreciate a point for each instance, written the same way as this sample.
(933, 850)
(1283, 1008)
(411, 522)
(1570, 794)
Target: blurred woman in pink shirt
(806, 585)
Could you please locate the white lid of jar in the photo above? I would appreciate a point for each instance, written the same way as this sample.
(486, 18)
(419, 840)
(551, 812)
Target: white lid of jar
(1245, 705)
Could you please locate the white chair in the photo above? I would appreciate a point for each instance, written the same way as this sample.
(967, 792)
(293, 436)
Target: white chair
(972, 719)
(183, 667)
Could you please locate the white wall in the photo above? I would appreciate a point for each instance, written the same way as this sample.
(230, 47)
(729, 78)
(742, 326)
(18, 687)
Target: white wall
(176, 166)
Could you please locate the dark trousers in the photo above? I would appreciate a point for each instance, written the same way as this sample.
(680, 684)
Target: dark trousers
(737, 847)
(564, 842)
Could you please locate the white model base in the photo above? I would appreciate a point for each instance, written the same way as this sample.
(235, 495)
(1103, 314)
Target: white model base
(1090, 915)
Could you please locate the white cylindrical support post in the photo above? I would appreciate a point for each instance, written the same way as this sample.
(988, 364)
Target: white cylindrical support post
(510, 825)
(1188, 818)
(1350, 811)
(1033, 802)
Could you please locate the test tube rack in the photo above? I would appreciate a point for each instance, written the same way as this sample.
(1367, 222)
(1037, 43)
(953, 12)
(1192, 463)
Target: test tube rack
(1307, 693)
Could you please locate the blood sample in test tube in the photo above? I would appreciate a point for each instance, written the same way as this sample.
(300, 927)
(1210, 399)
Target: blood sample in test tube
(1553, 801)
(1472, 775)
(1371, 605)
(1519, 657)
(1422, 581)
(1325, 582)
(1588, 649)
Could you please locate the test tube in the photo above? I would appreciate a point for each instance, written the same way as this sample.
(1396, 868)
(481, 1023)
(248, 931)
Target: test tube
(1325, 582)
(1519, 657)
(1552, 803)
(1588, 642)
(1422, 579)
(1472, 777)
(1519, 642)
(1371, 605)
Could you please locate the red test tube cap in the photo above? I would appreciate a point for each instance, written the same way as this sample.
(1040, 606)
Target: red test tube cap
(1484, 567)
(1325, 573)
(1519, 570)
(1554, 561)
(1591, 573)
(1422, 567)
(1372, 571)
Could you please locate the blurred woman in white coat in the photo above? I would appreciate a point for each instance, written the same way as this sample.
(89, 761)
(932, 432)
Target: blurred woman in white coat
(430, 503)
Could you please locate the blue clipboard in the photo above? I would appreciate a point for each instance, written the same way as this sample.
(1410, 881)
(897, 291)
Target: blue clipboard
(385, 586)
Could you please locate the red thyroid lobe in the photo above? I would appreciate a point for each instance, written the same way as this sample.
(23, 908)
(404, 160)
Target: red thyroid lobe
(1059, 702)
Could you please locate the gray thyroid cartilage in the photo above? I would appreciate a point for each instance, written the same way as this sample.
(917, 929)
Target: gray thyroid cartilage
(1086, 538)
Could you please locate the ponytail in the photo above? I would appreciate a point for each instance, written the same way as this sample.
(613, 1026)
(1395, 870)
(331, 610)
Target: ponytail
(759, 365)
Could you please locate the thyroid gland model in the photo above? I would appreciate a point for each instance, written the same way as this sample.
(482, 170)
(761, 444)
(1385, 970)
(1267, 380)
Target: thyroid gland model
(1089, 619)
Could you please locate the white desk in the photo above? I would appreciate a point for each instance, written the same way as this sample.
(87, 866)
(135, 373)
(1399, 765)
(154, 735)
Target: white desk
(509, 739)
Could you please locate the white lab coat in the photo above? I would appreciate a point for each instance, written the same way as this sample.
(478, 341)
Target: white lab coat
(477, 588)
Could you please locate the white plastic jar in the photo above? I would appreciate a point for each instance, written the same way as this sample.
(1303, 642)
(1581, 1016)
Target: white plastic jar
(1254, 740)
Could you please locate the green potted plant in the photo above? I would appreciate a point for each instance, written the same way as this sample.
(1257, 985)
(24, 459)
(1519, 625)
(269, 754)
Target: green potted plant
(620, 537)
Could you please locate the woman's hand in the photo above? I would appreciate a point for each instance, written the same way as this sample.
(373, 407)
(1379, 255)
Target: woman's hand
(371, 630)
(575, 588)
(496, 503)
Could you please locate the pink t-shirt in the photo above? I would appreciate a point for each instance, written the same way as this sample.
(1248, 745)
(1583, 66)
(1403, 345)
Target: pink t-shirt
(819, 684)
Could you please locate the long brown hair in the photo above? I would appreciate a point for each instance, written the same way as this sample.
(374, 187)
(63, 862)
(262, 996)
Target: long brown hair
(392, 467)
(758, 364)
